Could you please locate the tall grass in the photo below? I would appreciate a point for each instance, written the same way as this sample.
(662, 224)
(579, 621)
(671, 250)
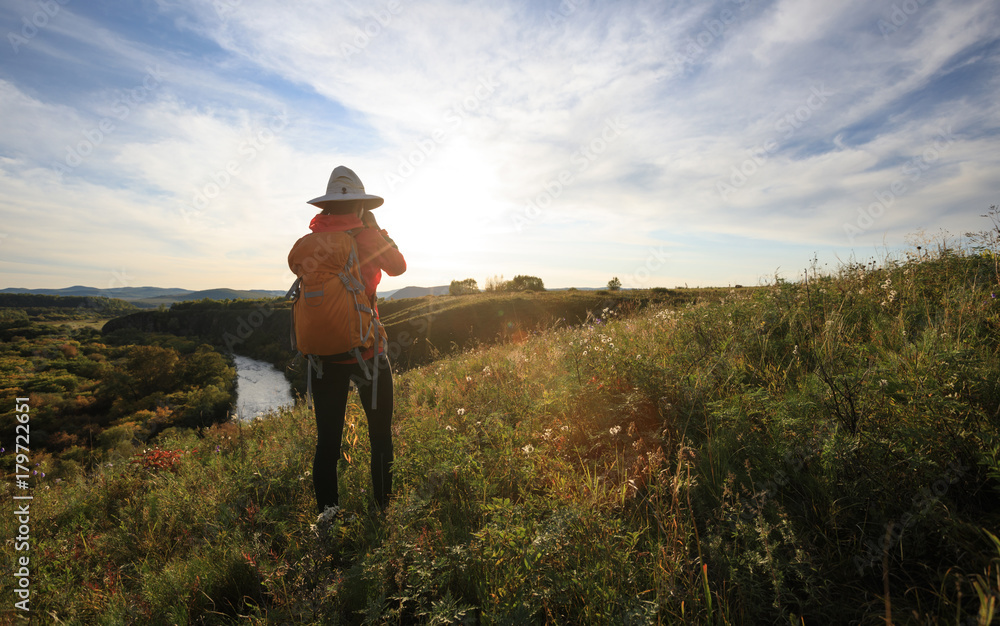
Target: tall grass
(818, 451)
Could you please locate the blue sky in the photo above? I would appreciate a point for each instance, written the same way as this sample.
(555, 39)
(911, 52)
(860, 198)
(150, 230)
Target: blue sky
(174, 143)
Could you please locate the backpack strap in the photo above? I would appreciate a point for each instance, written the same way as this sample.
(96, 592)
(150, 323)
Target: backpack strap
(293, 295)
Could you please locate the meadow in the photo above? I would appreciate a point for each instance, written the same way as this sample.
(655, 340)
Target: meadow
(817, 451)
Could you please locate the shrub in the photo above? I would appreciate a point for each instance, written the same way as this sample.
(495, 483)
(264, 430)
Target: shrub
(463, 287)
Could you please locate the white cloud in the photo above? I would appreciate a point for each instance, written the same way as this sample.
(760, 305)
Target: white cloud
(465, 116)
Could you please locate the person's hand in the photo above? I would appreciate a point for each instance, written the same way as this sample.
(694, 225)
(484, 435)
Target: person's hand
(368, 219)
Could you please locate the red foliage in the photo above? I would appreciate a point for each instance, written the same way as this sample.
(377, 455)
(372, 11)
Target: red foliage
(157, 459)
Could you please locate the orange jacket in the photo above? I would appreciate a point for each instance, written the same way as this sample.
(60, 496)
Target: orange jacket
(375, 251)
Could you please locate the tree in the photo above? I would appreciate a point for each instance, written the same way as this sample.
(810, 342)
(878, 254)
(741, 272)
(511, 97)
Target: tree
(462, 287)
(525, 283)
(496, 283)
(614, 284)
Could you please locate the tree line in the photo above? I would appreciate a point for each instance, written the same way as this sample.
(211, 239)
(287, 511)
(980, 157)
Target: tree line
(497, 284)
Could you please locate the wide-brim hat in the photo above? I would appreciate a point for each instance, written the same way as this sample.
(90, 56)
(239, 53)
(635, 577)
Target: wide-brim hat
(345, 185)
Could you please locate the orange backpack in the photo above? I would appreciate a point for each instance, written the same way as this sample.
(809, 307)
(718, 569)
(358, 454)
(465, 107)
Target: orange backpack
(331, 315)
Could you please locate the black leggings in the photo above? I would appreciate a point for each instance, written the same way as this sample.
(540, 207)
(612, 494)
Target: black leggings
(330, 397)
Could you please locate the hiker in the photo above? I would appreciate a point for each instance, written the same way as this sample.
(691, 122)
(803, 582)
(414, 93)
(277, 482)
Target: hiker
(346, 208)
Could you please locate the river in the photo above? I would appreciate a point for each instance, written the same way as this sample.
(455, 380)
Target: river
(260, 388)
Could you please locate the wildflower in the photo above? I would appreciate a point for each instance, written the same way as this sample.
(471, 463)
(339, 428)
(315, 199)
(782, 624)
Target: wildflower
(883, 382)
(449, 428)
(487, 371)
(528, 449)
(795, 350)
(468, 379)
(461, 412)
(614, 430)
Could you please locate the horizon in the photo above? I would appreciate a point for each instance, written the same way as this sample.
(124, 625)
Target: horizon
(709, 144)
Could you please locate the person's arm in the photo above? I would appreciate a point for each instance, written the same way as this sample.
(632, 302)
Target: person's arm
(379, 249)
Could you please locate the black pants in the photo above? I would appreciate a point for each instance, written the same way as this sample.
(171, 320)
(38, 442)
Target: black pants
(330, 398)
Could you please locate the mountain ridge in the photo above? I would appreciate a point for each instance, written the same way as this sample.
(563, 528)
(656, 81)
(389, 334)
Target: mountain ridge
(152, 296)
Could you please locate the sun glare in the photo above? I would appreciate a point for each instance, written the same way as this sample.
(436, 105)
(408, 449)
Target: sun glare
(446, 212)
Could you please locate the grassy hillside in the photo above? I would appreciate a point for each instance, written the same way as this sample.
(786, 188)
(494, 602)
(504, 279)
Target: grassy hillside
(818, 452)
(423, 329)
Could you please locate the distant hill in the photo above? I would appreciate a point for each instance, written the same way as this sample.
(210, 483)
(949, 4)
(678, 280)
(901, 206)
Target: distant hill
(415, 292)
(212, 294)
(148, 297)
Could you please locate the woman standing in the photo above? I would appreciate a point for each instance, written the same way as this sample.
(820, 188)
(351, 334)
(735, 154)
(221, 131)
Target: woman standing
(346, 208)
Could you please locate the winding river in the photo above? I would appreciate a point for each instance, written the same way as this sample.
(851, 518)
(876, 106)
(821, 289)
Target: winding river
(260, 388)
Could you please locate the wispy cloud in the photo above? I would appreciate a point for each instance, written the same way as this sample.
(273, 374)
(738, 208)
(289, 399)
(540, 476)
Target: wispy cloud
(750, 127)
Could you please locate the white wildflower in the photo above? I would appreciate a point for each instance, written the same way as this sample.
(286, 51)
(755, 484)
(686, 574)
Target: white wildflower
(528, 449)
(461, 412)
(614, 430)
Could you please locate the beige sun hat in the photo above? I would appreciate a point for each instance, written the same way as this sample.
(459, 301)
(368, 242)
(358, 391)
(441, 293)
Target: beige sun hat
(345, 185)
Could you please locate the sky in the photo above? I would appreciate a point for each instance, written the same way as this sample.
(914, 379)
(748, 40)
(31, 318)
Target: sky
(175, 143)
